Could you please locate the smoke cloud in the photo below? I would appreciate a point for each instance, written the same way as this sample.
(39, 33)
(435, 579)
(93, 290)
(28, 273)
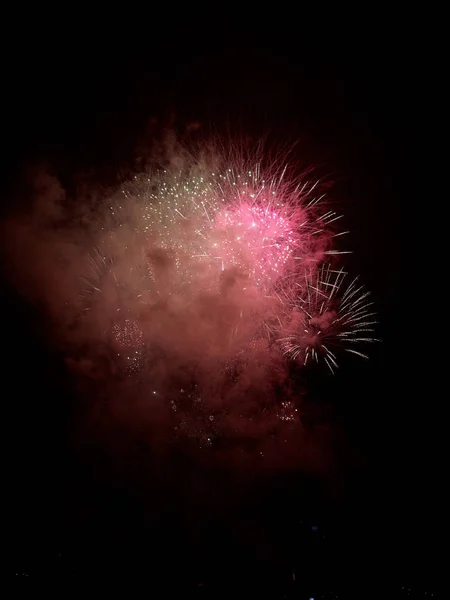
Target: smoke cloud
(171, 299)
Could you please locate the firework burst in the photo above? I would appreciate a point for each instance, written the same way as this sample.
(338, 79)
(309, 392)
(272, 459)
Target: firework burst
(207, 222)
(223, 272)
(325, 316)
(239, 232)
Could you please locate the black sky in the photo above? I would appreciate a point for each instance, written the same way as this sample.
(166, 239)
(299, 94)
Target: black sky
(353, 102)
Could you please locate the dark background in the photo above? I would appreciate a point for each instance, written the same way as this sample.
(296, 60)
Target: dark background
(354, 102)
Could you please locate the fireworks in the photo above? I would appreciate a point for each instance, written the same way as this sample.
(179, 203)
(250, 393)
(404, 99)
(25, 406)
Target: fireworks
(287, 411)
(324, 316)
(226, 271)
(205, 222)
(128, 340)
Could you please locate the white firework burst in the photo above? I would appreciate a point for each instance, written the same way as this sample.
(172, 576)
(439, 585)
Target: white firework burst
(324, 316)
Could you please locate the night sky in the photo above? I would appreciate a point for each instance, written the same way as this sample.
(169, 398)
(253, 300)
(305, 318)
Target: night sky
(372, 520)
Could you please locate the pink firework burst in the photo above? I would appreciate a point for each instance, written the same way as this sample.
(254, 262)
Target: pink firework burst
(259, 239)
(270, 227)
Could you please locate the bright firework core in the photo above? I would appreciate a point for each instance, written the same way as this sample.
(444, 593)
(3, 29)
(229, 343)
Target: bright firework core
(260, 237)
